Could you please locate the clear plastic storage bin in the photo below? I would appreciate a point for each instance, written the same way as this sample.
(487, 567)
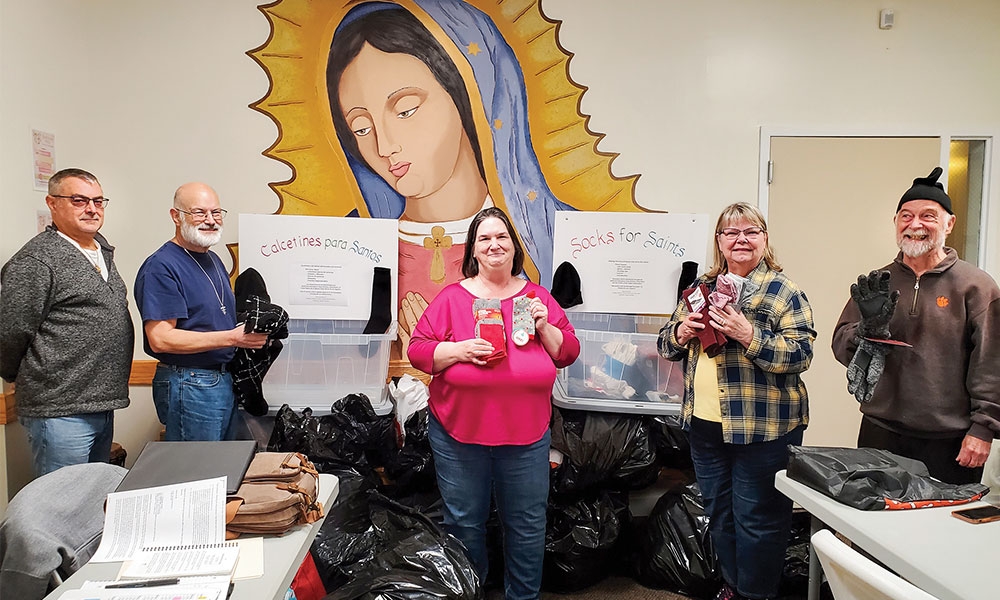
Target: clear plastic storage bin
(324, 360)
(619, 369)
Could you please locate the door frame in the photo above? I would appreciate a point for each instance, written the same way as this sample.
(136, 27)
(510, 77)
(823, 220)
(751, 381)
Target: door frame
(989, 245)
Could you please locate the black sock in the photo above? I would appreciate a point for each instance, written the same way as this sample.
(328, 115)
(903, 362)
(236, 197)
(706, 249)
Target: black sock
(566, 286)
(381, 315)
(689, 272)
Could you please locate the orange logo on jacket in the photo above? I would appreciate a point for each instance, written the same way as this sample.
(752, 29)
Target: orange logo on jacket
(942, 301)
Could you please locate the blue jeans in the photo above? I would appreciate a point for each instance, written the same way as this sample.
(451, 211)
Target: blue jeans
(194, 404)
(469, 475)
(749, 519)
(72, 440)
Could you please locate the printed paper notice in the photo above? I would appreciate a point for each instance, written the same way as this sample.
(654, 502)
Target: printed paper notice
(628, 278)
(317, 284)
(171, 515)
(43, 150)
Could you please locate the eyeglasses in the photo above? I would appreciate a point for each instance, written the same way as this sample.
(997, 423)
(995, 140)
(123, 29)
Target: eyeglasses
(81, 201)
(200, 215)
(733, 234)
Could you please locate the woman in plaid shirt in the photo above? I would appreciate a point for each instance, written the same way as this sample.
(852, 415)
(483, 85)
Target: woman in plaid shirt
(744, 400)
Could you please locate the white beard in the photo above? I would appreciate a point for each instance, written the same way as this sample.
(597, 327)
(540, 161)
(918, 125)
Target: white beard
(193, 234)
(918, 248)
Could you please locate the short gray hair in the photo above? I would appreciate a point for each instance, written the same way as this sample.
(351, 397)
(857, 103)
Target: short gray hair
(56, 180)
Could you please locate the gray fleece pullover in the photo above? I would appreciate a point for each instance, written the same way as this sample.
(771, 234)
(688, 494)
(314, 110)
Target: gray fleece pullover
(65, 334)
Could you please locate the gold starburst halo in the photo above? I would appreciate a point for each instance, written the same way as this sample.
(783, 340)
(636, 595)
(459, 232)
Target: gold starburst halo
(294, 59)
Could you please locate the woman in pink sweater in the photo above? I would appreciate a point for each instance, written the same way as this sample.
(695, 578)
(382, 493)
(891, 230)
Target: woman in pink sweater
(490, 403)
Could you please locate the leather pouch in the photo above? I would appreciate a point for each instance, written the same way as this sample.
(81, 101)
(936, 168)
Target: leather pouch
(279, 491)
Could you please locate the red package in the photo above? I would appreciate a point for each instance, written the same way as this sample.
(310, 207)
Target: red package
(712, 340)
(494, 334)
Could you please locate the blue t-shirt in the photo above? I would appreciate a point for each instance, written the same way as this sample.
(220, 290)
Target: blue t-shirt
(172, 284)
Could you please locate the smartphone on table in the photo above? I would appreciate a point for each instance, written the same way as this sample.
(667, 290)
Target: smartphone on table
(979, 514)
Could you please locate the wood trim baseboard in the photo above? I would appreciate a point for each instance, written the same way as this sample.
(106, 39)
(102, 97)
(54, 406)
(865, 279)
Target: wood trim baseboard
(8, 410)
(142, 372)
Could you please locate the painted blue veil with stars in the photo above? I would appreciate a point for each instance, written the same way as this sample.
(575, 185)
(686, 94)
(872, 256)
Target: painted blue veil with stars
(525, 196)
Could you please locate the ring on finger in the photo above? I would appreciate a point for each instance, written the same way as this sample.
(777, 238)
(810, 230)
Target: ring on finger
(722, 322)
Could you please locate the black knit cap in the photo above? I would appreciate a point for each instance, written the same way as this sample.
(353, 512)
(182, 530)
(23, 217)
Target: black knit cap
(927, 188)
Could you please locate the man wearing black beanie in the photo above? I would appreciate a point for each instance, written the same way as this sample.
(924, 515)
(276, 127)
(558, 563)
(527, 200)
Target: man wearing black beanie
(936, 400)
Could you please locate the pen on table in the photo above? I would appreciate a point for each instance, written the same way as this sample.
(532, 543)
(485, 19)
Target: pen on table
(144, 583)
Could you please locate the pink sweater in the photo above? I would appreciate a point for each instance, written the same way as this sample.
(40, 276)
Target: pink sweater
(509, 403)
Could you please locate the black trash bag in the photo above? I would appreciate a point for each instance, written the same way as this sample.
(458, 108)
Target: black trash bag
(410, 469)
(671, 442)
(425, 502)
(346, 536)
(675, 550)
(352, 435)
(602, 451)
(872, 479)
(304, 433)
(581, 538)
(414, 560)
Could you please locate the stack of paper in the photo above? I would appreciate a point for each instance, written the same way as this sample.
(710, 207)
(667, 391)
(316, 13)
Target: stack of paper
(183, 561)
(195, 588)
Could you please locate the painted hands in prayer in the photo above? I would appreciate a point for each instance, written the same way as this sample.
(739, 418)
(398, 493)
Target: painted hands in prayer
(411, 309)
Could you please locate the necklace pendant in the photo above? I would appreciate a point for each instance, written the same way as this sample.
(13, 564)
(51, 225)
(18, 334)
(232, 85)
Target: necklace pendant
(222, 307)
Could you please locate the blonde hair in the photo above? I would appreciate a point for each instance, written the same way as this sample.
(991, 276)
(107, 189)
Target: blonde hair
(741, 211)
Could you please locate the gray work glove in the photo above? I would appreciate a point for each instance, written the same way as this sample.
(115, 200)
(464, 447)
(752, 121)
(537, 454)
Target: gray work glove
(865, 369)
(875, 302)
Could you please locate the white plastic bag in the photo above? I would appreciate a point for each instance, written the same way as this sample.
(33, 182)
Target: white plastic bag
(410, 395)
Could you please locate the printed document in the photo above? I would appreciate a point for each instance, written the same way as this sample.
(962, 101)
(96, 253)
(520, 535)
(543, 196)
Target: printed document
(182, 514)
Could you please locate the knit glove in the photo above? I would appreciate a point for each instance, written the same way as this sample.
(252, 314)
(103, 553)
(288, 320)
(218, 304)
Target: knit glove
(875, 302)
(865, 369)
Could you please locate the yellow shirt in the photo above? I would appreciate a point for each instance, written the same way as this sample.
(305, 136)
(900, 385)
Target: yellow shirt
(707, 405)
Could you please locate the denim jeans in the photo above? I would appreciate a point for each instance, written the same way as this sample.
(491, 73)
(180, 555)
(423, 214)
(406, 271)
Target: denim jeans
(469, 475)
(72, 440)
(749, 519)
(194, 404)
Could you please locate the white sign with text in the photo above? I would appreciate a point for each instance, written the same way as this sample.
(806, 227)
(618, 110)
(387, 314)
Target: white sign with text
(629, 262)
(320, 267)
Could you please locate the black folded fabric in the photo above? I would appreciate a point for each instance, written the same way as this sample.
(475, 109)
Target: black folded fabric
(249, 283)
(566, 286)
(258, 315)
(872, 479)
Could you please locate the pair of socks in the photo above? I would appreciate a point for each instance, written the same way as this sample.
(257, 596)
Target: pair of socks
(524, 325)
(489, 326)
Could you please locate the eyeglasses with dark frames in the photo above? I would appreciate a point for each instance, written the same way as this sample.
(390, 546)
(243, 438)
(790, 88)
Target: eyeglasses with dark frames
(200, 215)
(733, 234)
(81, 201)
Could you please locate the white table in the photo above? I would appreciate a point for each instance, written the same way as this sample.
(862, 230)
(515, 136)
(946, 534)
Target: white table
(942, 555)
(282, 557)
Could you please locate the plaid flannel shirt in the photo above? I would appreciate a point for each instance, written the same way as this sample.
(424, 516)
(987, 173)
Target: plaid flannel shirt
(761, 392)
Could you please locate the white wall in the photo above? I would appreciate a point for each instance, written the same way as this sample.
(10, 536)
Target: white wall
(148, 95)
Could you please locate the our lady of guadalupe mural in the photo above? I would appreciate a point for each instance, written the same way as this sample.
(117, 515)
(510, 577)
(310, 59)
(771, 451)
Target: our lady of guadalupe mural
(427, 111)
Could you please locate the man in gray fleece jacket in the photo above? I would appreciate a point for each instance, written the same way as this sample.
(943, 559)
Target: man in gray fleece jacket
(65, 331)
